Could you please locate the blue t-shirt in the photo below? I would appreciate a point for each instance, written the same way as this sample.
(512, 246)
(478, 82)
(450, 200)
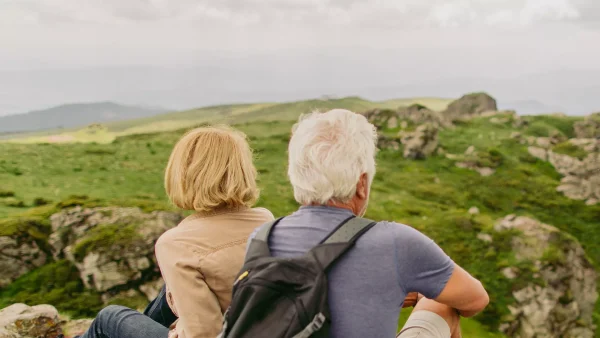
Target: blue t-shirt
(367, 285)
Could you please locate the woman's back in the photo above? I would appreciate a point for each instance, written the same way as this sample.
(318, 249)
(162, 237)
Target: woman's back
(201, 257)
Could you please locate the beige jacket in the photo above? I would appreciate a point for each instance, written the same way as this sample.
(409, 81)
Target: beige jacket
(199, 260)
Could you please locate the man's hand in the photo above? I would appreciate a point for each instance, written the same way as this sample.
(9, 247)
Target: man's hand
(411, 299)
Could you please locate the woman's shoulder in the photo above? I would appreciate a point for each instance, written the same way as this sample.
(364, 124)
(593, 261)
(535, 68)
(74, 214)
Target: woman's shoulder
(263, 212)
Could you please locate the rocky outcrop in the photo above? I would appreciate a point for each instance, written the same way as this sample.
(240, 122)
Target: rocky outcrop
(22, 321)
(421, 143)
(22, 248)
(589, 127)
(415, 114)
(563, 303)
(470, 105)
(385, 142)
(111, 247)
(419, 114)
(483, 162)
(581, 178)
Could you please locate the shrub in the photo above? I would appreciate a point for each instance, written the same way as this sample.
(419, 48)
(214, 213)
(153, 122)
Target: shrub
(57, 283)
(39, 201)
(7, 193)
(567, 148)
(12, 202)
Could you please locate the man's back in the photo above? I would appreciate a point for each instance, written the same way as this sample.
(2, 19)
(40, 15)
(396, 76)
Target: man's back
(369, 283)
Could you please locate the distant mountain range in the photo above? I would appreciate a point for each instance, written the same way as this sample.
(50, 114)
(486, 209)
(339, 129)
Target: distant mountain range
(73, 115)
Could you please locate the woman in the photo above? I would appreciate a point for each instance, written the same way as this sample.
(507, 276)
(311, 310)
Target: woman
(210, 171)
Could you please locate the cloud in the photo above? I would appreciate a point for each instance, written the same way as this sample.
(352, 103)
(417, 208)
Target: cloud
(423, 13)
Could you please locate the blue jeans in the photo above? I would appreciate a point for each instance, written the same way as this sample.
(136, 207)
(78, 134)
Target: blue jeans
(116, 321)
(159, 309)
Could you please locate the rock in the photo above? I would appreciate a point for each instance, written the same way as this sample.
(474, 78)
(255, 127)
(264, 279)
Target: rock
(22, 321)
(499, 120)
(564, 305)
(76, 327)
(516, 135)
(392, 122)
(22, 247)
(17, 257)
(110, 246)
(581, 179)
(484, 237)
(483, 171)
(420, 114)
(474, 211)
(421, 143)
(470, 105)
(470, 150)
(385, 142)
(543, 142)
(416, 114)
(510, 272)
(589, 145)
(537, 152)
(589, 127)
(151, 289)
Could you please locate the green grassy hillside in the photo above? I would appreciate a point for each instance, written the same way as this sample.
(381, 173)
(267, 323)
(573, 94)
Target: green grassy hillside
(432, 195)
(236, 113)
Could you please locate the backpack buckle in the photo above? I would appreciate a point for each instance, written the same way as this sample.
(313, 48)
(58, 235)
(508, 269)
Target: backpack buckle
(318, 321)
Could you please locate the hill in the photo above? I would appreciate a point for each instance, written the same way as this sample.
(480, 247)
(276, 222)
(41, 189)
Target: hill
(235, 113)
(446, 194)
(73, 115)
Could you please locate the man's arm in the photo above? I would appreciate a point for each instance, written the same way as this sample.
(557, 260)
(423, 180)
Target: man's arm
(464, 293)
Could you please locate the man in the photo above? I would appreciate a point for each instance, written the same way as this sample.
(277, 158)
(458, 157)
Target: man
(331, 168)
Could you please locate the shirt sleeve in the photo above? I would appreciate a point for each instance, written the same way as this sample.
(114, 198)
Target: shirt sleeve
(197, 307)
(422, 265)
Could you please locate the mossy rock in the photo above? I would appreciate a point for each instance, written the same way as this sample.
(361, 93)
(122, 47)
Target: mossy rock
(105, 239)
(568, 148)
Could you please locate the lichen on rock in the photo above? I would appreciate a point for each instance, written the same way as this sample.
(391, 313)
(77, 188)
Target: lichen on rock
(22, 321)
(561, 306)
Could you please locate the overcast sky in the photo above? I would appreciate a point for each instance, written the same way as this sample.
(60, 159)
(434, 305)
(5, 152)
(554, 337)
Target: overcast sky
(408, 40)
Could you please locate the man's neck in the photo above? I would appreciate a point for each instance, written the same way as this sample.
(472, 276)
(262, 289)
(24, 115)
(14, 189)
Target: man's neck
(348, 206)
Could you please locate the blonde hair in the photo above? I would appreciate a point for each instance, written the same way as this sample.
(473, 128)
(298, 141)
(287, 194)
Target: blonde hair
(211, 168)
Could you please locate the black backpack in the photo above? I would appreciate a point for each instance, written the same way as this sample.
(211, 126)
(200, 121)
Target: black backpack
(287, 297)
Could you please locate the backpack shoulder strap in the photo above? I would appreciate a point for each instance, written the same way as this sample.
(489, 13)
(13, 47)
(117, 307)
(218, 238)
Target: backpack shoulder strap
(340, 240)
(349, 231)
(259, 245)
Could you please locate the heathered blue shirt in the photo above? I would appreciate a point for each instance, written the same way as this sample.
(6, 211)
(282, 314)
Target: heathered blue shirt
(367, 286)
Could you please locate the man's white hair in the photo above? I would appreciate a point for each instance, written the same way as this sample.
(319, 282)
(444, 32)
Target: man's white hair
(328, 152)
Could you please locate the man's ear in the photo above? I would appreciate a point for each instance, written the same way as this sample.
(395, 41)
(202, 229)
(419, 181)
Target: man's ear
(362, 187)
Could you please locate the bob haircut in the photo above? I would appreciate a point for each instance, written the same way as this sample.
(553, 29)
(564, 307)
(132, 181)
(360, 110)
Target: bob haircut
(211, 168)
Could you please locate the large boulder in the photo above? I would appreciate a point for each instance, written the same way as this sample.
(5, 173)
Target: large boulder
(22, 321)
(420, 114)
(589, 127)
(111, 247)
(562, 304)
(470, 105)
(22, 247)
(420, 143)
(415, 114)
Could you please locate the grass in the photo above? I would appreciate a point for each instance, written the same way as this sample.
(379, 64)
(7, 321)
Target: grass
(238, 113)
(433, 195)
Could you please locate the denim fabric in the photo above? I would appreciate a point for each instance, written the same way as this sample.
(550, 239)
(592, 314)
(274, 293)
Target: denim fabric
(116, 321)
(159, 309)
